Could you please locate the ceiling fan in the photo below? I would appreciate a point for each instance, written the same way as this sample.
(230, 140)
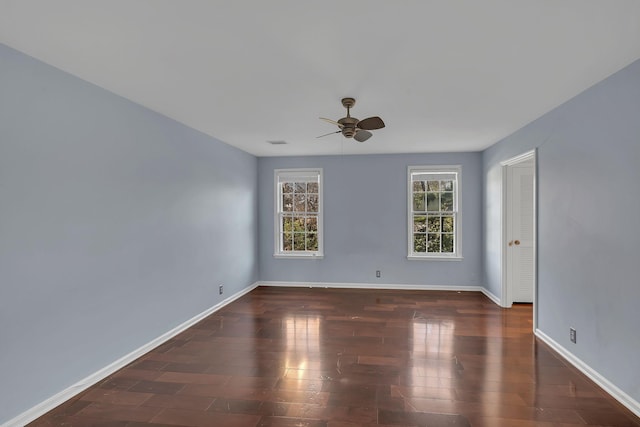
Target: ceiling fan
(352, 127)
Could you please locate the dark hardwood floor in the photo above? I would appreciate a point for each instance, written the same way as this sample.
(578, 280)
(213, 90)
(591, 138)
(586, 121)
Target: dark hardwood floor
(344, 358)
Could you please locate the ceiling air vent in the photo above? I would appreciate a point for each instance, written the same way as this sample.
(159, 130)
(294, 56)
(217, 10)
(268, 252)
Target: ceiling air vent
(277, 142)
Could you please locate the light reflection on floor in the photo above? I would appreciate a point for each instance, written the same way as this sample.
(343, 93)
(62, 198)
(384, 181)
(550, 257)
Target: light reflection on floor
(302, 336)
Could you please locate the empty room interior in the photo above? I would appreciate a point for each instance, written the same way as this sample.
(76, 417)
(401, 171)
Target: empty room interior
(321, 214)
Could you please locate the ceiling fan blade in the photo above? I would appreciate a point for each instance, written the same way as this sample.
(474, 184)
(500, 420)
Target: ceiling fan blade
(371, 123)
(362, 135)
(327, 134)
(333, 122)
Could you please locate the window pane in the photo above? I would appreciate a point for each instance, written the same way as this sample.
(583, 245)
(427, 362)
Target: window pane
(312, 241)
(447, 243)
(433, 202)
(312, 187)
(419, 242)
(312, 203)
(287, 202)
(299, 200)
(433, 185)
(418, 186)
(434, 224)
(312, 224)
(433, 245)
(287, 241)
(301, 187)
(447, 201)
(287, 223)
(287, 187)
(419, 223)
(418, 202)
(298, 224)
(298, 241)
(446, 185)
(447, 224)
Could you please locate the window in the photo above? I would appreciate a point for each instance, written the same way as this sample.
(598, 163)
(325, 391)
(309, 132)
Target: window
(434, 212)
(298, 228)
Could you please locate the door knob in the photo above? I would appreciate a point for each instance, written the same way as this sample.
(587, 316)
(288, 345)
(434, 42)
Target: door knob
(517, 242)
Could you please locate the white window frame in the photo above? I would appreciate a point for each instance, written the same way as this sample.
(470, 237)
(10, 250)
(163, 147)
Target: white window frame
(456, 255)
(278, 212)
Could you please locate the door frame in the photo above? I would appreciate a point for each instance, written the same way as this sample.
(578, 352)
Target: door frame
(506, 297)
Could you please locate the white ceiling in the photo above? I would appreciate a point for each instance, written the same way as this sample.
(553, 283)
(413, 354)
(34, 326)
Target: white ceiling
(445, 75)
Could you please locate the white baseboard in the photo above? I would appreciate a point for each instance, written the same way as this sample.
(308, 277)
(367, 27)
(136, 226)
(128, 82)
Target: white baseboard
(66, 394)
(392, 286)
(596, 377)
(482, 289)
(491, 296)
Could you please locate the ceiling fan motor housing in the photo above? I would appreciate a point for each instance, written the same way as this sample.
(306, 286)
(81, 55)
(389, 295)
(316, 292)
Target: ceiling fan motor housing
(348, 126)
(348, 132)
(352, 127)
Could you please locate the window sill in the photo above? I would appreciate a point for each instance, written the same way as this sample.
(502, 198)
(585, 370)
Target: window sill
(434, 258)
(298, 256)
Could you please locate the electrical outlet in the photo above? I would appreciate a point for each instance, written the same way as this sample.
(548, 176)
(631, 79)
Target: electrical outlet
(572, 335)
(377, 273)
(221, 289)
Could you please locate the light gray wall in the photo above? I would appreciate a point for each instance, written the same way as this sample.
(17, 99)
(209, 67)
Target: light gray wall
(588, 232)
(365, 222)
(116, 225)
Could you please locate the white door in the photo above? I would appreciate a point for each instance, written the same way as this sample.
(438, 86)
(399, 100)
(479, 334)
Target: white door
(520, 231)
